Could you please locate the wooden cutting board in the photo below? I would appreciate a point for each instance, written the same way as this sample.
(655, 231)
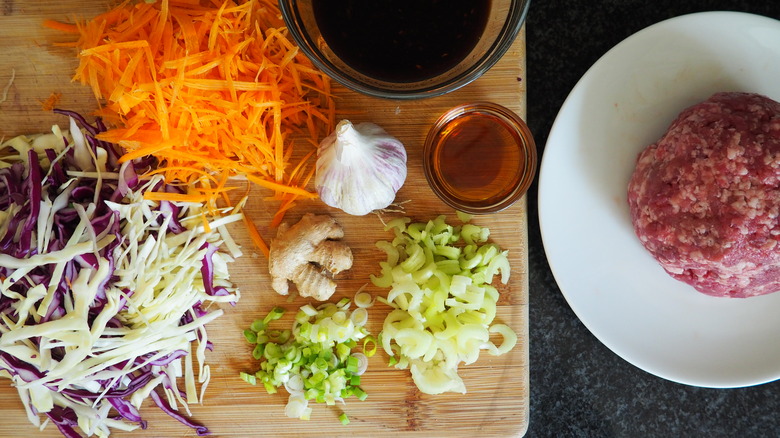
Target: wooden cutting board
(497, 400)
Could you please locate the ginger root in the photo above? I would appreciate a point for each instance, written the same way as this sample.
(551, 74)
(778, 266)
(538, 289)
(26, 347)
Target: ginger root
(308, 255)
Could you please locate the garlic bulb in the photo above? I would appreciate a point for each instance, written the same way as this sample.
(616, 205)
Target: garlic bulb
(359, 168)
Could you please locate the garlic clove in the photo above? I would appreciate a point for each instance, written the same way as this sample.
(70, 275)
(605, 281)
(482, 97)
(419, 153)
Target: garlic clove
(360, 168)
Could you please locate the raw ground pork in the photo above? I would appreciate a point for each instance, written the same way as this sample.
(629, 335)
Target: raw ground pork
(705, 198)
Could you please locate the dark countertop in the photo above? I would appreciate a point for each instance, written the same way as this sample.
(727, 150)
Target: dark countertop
(580, 388)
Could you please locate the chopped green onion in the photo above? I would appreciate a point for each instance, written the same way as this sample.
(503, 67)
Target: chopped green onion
(313, 360)
(364, 300)
(309, 310)
(273, 315)
(250, 336)
(344, 419)
(359, 316)
(257, 353)
(369, 340)
(272, 351)
(257, 326)
(284, 337)
(342, 351)
(359, 393)
(352, 364)
(248, 378)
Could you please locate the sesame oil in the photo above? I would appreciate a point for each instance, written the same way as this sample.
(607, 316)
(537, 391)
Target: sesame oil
(477, 159)
(480, 158)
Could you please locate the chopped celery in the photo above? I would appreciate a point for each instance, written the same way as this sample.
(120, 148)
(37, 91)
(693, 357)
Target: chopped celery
(464, 217)
(392, 251)
(415, 259)
(449, 252)
(398, 224)
(443, 300)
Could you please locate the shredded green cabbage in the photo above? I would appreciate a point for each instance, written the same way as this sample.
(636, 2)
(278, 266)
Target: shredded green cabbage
(149, 315)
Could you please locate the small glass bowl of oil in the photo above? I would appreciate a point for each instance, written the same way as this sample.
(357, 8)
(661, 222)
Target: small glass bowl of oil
(479, 158)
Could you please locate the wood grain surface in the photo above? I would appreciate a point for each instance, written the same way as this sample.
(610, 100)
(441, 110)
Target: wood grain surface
(497, 400)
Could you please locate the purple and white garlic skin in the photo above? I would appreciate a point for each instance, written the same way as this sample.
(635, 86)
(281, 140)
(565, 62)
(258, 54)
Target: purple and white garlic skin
(360, 168)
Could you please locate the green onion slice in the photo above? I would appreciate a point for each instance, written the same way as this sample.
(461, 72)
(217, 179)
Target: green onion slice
(313, 359)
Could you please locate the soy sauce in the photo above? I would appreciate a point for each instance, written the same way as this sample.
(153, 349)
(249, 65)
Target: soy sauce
(401, 40)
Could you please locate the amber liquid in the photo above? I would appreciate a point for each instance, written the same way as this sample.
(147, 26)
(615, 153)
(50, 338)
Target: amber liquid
(477, 159)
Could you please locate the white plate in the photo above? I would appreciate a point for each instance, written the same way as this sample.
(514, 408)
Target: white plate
(623, 103)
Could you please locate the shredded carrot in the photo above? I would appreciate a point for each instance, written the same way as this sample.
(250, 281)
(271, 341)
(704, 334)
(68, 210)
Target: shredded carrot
(51, 102)
(180, 197)
(206, 225)
(62, 27)
(256, 237)
(213, 89)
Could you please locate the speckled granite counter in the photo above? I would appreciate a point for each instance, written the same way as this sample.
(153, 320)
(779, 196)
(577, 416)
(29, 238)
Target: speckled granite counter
(579, 388)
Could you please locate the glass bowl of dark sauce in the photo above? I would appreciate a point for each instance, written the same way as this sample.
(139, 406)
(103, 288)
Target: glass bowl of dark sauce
(404, 49)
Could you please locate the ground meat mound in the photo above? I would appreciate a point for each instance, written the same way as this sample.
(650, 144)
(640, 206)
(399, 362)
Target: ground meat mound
(705, 198)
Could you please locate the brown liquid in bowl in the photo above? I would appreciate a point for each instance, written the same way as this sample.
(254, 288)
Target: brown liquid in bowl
(477, 160)
(401, 40)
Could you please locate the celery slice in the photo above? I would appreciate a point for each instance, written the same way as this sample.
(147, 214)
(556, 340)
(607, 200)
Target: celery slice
(443, 300)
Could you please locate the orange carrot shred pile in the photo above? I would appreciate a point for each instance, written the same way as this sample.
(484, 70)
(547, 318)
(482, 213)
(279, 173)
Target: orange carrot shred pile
(212, 89)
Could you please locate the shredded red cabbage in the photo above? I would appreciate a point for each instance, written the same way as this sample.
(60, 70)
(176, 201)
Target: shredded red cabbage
(162, 404)
(23, 187)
